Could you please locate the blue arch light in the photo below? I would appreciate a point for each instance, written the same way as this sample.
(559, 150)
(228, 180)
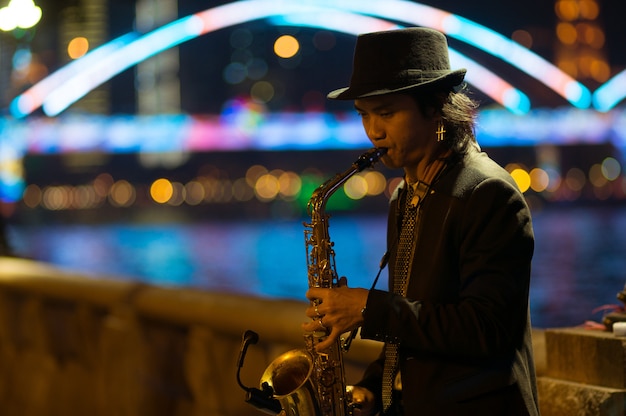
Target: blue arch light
(480, 77)
(72, 82)
(610, 93)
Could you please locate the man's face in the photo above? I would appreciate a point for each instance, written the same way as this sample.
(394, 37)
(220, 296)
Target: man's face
(394, 121)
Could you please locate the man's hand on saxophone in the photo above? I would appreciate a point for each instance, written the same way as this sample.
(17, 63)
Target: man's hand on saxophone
(335, 310)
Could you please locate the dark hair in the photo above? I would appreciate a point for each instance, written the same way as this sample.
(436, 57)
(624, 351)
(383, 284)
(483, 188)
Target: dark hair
(458, 112)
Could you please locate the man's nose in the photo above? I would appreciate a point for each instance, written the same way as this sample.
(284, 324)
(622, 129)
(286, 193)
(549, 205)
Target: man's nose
(374, 131)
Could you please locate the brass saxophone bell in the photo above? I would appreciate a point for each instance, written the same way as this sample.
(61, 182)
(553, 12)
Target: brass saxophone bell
(289, 375)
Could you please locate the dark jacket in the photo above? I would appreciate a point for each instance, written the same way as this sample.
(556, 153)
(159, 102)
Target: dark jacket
(464, 328)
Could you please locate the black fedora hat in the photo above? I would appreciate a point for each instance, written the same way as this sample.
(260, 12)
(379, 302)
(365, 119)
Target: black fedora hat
(399, 60)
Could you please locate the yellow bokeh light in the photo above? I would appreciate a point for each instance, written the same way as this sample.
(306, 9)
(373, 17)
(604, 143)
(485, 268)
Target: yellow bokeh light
(178, 194)
(522, 178)
(161, 190)
(600, 70)
(596, 177)
(83, 197)
(122, 194)
(102, 184)
(267, 187)
(290, 184)
(356, 187)
(286, 46)
(242, 190)
(55, 198)
(376, 182)
(217, 190)
(77, 47)
(539, 180)
(567, 9)
(589, 9)
(566, 32)
(253, 174)
(194, 193)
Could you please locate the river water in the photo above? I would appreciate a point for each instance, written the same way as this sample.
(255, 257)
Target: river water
(578, 266)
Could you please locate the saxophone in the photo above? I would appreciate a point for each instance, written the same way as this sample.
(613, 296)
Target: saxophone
(304, 381)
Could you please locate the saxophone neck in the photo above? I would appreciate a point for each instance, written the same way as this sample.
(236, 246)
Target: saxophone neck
(321, 195)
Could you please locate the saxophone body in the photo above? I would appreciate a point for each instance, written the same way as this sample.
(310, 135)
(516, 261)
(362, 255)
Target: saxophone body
(307, 382)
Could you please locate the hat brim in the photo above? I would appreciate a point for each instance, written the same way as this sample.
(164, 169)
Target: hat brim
(449, 80)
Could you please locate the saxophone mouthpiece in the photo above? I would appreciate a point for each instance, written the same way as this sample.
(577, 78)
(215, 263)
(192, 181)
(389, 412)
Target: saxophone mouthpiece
(370, 157)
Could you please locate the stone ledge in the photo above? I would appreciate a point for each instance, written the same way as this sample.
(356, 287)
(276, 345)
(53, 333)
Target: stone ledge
(559, 397)
(586, 356)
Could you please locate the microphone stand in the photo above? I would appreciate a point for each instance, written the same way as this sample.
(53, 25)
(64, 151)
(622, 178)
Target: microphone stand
(261, 399)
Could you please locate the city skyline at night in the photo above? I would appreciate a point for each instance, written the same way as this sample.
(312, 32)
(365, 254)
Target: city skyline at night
(233, 90)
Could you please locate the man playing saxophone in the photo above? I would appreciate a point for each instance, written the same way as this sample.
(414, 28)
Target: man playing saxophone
(455, 320)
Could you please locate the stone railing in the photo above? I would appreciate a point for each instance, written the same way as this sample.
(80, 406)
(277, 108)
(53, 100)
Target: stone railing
(76, 345)
(72, 344)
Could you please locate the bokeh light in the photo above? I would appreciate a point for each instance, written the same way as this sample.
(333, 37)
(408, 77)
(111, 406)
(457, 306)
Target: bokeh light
(178, 194)
(539, 180)
(161, 190)
(376, 182)
(213, 185)
(32, 196)
(122, 194)
(611, 168)
(575, 179)
(286, 46)
(522, 178)
(194, 192)
(77, 47)
(596, 176)
(290, 185)
(356, 187)
(22, 14)
(242, 191)
(235, 73)
(262, 91)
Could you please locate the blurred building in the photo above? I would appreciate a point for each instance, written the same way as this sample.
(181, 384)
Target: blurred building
(157, 81)
(83, 26)
(581, 42)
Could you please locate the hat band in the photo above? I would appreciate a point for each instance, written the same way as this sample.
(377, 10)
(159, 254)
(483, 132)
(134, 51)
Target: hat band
(405, 77)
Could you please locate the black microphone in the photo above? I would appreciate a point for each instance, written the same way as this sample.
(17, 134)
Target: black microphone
(262, 399)
(249, 337)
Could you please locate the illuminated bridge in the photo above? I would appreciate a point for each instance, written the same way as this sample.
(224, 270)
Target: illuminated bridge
(584, 116)
(58, 91)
